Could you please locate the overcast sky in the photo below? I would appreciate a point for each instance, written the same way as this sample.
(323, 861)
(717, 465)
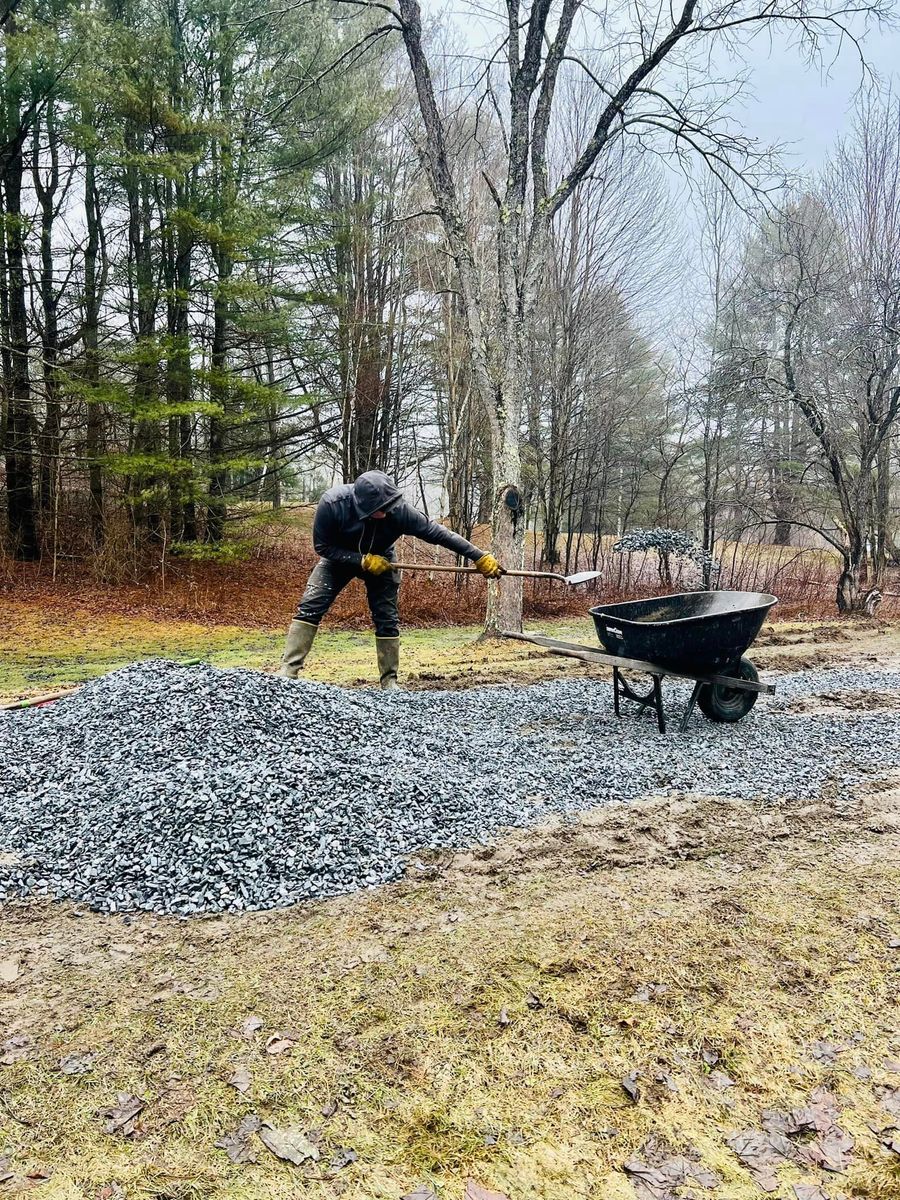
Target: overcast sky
(810, 109)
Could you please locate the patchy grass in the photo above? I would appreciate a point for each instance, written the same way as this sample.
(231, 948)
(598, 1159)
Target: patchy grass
(39, 654)
(477, 1024)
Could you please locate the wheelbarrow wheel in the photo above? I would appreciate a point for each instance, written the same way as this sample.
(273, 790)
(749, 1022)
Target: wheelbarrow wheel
(721, 703)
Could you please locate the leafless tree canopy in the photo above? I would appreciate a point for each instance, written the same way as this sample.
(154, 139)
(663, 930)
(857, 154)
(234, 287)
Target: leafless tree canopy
(530, 263)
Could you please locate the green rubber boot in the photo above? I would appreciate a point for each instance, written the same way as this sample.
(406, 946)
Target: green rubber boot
(388, 651)
(300, 637)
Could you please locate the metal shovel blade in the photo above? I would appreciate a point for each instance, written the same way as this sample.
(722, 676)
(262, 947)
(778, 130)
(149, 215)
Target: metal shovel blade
(582, 577)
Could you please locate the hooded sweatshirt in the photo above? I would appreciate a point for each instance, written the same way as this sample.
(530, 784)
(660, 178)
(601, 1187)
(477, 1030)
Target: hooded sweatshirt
(344, 529)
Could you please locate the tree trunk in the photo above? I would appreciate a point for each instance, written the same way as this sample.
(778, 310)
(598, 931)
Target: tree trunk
(881, 537)
(95, 432)
(45, 189)
(504, 607)
(178, 376)
(21, 518)
(143, 486)
(216, 511)
(218, 362)
(501, 401)
(850, 597)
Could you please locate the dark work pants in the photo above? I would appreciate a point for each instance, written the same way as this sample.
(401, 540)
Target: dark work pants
(328, 580)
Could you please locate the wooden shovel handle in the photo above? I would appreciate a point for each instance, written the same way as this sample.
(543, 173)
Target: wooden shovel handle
(474, 570)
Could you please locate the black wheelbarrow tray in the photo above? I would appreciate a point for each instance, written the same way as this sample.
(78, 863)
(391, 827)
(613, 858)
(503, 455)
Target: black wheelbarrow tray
(701, 636)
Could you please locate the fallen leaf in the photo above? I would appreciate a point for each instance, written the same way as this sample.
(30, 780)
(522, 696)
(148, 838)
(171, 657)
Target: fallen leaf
(787, 1123)
(250, 1026)
(421, 1193)
(328, 1110)
(630, 1087)
(760, 1153)
(38, 1176)
(198, 991)
(649, 991)
(237, 1144)
(241, 1080)
(649, 1183)
(280, 1043)
(533, 1000)
(110, 1191)
(9, 970)
(825, 1052)
(889, 1099)
(122, 1117)
(657, 1182)
(891, 1065)
(809, 1191)
(290, 1144)
(15, 1049)
(861, 1071)
(342, 1157)
(696, 1172)
(889, 1137)
(710, 1056)
(823, 1109)
(830, 1150)
(720, 1081)
(504, 1019)
(475, 1191)
(6, 1172)
(76, 1064)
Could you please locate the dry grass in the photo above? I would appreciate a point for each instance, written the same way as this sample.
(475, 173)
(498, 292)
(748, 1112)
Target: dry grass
(42, 651)
(478, 1024)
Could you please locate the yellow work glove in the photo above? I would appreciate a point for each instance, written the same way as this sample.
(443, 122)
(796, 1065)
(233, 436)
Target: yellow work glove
(376, 564)
(488, 566)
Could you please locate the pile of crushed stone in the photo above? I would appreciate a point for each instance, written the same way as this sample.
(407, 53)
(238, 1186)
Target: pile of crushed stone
(197, 790)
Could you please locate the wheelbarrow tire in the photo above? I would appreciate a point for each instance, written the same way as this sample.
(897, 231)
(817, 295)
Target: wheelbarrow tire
(720, 703)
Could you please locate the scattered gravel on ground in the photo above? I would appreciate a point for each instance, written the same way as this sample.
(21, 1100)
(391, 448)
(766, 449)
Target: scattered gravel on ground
(192, 789)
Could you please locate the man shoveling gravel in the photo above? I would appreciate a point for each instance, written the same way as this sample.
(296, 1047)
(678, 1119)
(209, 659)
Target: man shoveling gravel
(354, 531)
(191, 789)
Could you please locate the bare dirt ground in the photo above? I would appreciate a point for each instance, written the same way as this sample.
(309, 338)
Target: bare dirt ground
(684, 997)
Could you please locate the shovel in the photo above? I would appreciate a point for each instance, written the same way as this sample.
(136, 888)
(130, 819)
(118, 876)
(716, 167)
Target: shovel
(571, 580)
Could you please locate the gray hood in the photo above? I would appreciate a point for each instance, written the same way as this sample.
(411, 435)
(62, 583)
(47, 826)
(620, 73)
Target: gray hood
(374, 492)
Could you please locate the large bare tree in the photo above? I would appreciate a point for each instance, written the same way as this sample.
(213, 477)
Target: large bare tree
(824, 281)
(650, 64)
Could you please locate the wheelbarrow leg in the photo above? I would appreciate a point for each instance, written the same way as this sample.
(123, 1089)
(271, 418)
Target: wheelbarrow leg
(658, 704)
(622, 690)
(698, 687)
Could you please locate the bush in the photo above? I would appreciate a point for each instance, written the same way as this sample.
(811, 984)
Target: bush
(669, 543)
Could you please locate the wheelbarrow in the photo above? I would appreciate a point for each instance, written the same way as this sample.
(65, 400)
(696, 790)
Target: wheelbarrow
(700, 636)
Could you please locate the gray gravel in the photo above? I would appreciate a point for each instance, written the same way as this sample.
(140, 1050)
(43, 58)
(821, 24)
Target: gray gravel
(191, 789)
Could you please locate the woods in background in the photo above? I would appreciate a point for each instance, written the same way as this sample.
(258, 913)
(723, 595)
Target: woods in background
(225, 280)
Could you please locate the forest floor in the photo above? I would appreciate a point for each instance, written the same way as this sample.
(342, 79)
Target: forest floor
(529, 1017)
